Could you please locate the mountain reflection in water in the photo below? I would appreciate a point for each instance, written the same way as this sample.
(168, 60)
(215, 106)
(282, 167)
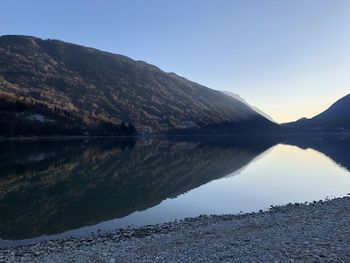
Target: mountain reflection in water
(48, 187)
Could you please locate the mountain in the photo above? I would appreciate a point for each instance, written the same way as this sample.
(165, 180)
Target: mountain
(237, 97)
(336, 118)
(53, 87)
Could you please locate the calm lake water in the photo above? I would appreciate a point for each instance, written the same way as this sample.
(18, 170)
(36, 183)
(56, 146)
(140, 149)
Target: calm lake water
(55, 189)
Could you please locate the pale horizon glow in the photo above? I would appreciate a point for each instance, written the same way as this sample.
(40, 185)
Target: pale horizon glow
(291, 59)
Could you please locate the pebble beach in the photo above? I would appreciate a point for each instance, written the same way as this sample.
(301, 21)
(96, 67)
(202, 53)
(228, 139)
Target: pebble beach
(310, 232)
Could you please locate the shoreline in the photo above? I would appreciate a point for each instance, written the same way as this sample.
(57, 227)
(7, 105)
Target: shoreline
(315, 231)
(166, 135)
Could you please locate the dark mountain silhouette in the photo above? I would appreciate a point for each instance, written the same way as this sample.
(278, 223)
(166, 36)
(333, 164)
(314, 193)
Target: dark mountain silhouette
(335, 119)
(51, 187)
(53, 87)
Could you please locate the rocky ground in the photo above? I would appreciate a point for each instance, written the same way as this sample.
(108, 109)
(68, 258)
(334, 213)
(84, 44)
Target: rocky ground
(316, 232)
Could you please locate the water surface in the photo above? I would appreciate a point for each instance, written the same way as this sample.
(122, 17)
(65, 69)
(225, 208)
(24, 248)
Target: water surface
(54, 189)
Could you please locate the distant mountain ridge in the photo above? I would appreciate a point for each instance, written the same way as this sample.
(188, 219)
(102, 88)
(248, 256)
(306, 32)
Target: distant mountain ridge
(335, 119)
(236, 96)
(49, 86)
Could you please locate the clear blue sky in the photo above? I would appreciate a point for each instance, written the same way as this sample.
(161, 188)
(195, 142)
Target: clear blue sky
(289, 58)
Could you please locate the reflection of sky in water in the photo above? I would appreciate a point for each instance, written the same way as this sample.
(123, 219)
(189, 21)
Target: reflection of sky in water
(285, 174)
(281, 175)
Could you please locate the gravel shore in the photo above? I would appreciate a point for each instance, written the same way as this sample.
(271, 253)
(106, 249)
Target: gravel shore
(315, 232)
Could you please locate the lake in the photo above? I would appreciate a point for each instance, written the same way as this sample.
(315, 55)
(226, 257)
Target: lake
(60, 188)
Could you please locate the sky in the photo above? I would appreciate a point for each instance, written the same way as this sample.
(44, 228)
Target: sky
(290, 58)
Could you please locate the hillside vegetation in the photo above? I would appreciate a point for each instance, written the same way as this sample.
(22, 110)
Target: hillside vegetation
(84, 90)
